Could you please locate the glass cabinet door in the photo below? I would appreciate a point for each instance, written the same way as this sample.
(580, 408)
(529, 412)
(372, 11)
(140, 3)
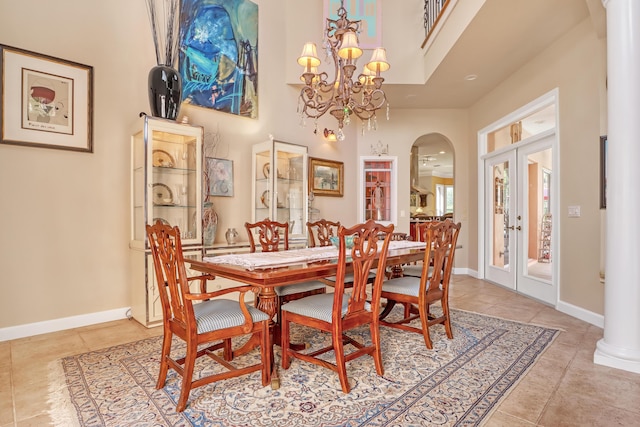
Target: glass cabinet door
(378, 193)
(166, 182)
(280, 191)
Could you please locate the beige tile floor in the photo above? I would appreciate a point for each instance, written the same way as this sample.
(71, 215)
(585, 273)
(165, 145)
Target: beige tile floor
(564, 388)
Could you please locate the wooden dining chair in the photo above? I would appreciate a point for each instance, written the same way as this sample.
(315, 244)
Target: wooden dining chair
(338, 312)
(396, 270)
(415, 269)
(203, 321)
(323, 230)
(271, 235)
(320, 232)
(431, 287)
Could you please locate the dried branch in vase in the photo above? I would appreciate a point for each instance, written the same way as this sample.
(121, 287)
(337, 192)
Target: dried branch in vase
(163, 16)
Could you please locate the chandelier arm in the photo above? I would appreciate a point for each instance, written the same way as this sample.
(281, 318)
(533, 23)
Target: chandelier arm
(347, 94)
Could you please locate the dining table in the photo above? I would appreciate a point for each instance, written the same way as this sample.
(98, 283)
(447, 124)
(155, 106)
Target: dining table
(269, 270)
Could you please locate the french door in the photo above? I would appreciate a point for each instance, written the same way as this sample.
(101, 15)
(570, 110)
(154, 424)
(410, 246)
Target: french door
(518, 218)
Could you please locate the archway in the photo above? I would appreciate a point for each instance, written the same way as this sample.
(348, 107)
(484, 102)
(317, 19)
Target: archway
(431, 179)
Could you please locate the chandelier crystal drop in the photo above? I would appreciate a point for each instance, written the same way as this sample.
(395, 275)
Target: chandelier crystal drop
(346, 95)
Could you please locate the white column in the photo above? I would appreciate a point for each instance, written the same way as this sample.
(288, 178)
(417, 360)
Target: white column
(620, 347)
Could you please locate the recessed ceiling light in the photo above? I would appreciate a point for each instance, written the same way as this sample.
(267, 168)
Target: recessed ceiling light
(471, 77)
(442, 152)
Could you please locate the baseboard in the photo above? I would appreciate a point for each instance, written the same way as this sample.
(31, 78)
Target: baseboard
(467, 271)
(31, 329)
(580, 313)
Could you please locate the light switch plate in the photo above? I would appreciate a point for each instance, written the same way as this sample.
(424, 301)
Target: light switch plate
(574, 211)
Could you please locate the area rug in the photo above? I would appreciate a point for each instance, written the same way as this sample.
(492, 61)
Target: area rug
(459, 382)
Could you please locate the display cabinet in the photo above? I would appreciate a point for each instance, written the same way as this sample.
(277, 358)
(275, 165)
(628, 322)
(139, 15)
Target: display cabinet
(378, 189)
(279, 190)
(166, 185)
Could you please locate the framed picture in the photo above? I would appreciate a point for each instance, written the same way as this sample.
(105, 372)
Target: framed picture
(220, 177)
(603, 172)
(326, 177)
(46, 102)
(218, 55)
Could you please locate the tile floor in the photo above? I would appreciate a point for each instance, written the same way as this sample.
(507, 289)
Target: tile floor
(564, 388)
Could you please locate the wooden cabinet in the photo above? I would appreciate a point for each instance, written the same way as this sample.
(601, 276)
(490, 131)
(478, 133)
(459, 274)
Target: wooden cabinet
(166, 185)
(280, 189)
(378, 189)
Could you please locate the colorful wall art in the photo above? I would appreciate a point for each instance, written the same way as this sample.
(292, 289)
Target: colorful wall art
(218, 58)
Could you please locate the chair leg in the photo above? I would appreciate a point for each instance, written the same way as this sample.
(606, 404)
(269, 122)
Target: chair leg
(447, 318)
(266, 353)
(187, 374)
(341, 367)
(164, 366)
(284, 341)
(227, 351)
(407, 310)
(424, 320)
(377, 352)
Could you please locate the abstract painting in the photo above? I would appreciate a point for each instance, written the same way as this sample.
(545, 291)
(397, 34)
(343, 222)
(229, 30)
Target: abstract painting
(218, 58)
(45, 101)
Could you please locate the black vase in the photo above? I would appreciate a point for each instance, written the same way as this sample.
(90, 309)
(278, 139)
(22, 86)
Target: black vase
(165, 91)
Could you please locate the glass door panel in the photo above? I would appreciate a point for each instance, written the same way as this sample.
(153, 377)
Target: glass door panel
(500, 240)
(535, 271)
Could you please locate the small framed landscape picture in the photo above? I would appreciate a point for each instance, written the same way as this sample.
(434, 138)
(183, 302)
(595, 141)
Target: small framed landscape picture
(326, 177)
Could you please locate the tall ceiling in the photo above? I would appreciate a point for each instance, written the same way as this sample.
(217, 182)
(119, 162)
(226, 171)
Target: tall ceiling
(502, 38)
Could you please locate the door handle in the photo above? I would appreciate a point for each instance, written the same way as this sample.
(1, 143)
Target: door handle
(514, 228)
(511, 228)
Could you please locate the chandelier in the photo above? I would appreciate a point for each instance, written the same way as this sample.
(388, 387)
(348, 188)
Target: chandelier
(343, 96)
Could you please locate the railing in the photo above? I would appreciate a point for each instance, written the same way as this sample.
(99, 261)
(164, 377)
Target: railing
(433, 10)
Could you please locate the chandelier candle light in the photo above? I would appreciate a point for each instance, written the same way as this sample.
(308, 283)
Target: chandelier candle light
(343, 96)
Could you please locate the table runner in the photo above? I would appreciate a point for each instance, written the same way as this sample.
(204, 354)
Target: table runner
(255, 260)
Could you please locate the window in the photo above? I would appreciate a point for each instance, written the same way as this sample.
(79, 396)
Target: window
(444, 199)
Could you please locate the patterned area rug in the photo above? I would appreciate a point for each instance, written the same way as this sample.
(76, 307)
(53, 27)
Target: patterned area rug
(459, 382)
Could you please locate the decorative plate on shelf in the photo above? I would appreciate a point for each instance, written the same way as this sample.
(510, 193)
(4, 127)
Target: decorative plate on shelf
(265, 198)
(266, 169)
(163, 159)
(162, 194)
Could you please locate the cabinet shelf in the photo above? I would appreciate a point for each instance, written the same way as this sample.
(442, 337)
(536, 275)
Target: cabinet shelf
(171, 194)
(280, 193)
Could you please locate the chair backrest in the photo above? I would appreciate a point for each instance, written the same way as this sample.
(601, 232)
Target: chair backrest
(270, 234)
(441, 237)
(171, 275)
(322, 230)
(396, 237)
(421, 229)
(452, 230)
(367, 247)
